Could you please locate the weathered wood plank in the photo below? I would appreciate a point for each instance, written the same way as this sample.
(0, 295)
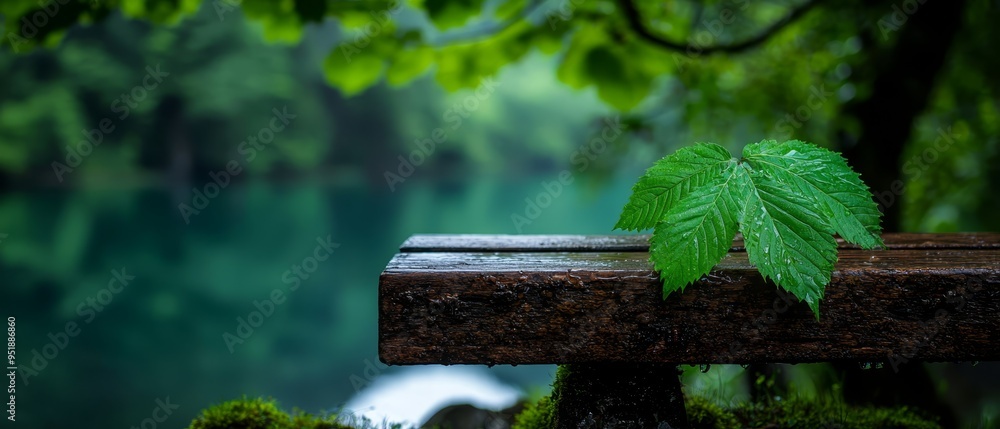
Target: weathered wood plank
(525, 243)
(933, 304)
(640, 242)
(633, 263)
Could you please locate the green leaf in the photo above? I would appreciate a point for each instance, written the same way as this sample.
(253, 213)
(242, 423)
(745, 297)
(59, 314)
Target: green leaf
(669, 180)
(827, 179)
(452, 13)
(409, 64)
(572, 69)
(358, 62)
(619, 80)
(352, 70)
(787, 198)
(785, 237)
(509, 8)
(697, 231)
(593, 58)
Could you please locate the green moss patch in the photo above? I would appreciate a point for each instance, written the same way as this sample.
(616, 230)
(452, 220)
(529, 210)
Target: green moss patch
(258, 413)
(785, 414)
(805, 414)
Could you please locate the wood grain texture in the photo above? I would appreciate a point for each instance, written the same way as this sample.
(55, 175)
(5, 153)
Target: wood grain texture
(640, 242)
(930, 298)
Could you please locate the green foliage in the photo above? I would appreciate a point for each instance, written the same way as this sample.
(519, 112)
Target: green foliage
(787, 199)
(779, 414)
(245, 413)
(380, 40)
(541, 414)
(451, 13)
(705, 414)
(259, 413)
(594, 58)
(210, 111)
(537, 415)
(799, 413)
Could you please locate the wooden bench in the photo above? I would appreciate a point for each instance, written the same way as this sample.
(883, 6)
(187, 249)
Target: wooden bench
(595, 303)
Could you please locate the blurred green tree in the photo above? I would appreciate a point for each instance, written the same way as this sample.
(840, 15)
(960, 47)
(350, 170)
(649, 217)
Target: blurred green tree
(906, 89)
(875, 80)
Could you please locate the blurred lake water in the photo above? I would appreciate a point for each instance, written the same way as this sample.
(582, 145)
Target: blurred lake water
(153, 298)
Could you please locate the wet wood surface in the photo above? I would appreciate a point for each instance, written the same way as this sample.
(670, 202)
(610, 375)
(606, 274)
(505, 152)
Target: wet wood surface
(640, 242)
(475, 299)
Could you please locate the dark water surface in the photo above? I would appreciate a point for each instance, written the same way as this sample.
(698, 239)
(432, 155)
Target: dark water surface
(121, 306)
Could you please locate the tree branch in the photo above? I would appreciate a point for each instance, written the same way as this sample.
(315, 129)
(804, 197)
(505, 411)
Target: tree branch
(635, 21)
(472, 35)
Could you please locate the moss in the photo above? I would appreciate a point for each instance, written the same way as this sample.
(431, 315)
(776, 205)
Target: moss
(542, 414)
(825, 414)
(704, 414)
(562, 372)
(537, 415)
(786, 414)
(258, 413)
(303, 420)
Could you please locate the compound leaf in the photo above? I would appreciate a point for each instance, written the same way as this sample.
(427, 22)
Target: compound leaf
(788, 199)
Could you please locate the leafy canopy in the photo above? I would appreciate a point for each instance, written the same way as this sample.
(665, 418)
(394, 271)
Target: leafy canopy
(788, 199)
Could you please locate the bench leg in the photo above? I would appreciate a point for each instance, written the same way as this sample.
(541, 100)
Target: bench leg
(597, 396)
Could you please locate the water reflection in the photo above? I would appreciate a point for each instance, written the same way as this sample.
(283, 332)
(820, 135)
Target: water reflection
(162, 335)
